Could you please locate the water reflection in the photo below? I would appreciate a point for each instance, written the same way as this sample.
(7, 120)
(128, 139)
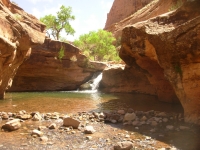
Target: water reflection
(67, 102)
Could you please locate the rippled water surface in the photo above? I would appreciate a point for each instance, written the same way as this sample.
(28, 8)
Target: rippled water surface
(68, 102)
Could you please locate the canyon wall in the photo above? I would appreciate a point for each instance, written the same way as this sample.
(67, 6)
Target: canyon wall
(167, 47)
(152, 9)
(19, 32)
(45, 70)
(121, 9)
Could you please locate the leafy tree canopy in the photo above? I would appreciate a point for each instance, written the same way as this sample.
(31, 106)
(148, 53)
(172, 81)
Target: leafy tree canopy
(55, 24)
(98, 46)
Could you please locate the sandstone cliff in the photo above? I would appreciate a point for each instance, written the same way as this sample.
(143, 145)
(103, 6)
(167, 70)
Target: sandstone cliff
(44, 71)
(152, 9)
(167, 48)
(122, 9)
(19, 31)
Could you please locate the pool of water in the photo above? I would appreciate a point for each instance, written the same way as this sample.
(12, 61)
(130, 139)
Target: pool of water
(70, 102)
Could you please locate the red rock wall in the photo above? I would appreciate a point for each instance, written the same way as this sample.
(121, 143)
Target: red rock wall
(168, 48)
(19, 31)
(43, 71)
(122, 9)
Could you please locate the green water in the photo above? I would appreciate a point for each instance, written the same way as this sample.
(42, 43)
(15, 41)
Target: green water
(69, 102)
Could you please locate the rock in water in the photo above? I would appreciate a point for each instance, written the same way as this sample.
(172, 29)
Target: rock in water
(71, 122)
(129, 117)
(12, 125)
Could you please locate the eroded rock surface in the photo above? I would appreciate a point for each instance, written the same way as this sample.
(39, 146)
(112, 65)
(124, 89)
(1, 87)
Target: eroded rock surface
(122, 9)
(19, 31)
(46, 71)
(167, 48)
(146, 10)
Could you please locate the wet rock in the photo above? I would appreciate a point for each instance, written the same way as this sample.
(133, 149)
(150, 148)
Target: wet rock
(37, 117)
(113, 121)
(165, 120)
(52, 126)
(89, 130)
(126, 145)
(71, 122)
(37, 132)
(130, 110)
(184, 128)
(162, 114)
(129, 117)
(12, 125)
(144, 118)
(154, 123)
(121, 112)
(135, 123)
(170, 127)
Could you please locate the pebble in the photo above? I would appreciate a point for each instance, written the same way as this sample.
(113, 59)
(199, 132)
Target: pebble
(89, 130)
(88, 137)
(52, 126)
(121, 112)
(165, 120)
(154, 123)
(170, 127)
(184, 128)
(126, 145)
(37, 132)
(44, 139)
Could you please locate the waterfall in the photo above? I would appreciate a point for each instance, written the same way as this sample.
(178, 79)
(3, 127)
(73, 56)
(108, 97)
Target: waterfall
(96, 82)
(92, 84)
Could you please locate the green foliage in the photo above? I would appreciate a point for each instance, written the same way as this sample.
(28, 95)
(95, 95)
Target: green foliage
(61, 53)
(18, 17)
(98, 46)
(118, 42)
(55, 24)
(177, 69)
(176, 5)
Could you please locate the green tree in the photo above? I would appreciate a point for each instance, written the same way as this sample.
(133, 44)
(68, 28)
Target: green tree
(98, 45)
(55, 24)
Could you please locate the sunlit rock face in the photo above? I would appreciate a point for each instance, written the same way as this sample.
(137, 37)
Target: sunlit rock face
(119, 17)
(19, 31)
(46, 71)
(122, 9)
(167, 47)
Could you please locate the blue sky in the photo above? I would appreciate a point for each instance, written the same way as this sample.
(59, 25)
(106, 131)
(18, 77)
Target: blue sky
(90, 14)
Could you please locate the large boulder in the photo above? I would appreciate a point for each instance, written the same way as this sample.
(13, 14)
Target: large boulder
(167, 48)
(19, 31)
(45, 70)
(12, 125)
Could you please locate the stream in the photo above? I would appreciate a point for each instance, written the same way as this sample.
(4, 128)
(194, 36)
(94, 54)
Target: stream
(144, 137)
(70, 102)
